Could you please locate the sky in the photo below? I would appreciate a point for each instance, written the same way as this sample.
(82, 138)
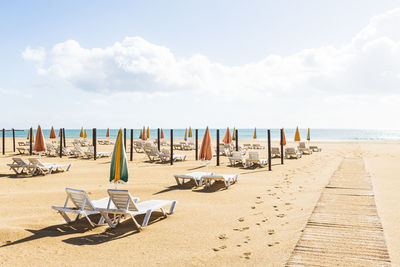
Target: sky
(171, 64)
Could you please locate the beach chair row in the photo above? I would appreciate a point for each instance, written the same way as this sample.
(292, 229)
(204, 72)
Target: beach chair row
(35, 166)
(112, 209)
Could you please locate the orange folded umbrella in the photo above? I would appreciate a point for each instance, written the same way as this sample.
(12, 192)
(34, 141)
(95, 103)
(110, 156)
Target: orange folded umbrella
(40, 144)
(144, 135)
(108, 132)
(162, 134)
(52, 133)
(205, 150)
(283, 142)
(227, 139)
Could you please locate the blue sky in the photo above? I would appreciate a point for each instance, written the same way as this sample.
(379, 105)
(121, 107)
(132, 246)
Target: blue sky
(231, 39)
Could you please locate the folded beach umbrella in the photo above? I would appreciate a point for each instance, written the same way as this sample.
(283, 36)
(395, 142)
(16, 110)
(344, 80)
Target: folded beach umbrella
(190, 132)
(255, 133)
(227, 139)
(205, 149)
(308, 135)
(283, 142)
(108, 132)
(119, 163)
(144, 135)
(40, 144)
(59, 133)
(234, 134)
(140, 134)
(185, 138)
(52, 133)
(85, 134)
(148, 132)
(297, 135)
(162, 134)
(81, 134)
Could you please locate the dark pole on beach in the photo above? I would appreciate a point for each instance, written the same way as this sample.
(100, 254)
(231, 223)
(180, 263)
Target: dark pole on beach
(217, 147)
(172, 146)
(158, 139)
(197, 143)
(13, 133)
(63, 134)
(94, 136)
(269, 149)
(282, 146)
(131, 152)
(237, 139)
(30, 140)
(61, 142)
(4, 141)
(125, 138)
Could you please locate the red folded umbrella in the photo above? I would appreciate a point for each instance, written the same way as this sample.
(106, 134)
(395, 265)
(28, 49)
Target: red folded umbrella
(162, 134)
(205, 150)
(52, 133)
(40, 144)
(228, 138)
(108, 132)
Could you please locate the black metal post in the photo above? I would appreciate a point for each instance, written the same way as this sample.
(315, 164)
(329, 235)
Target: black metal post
(197, 144)
(237, 140)
(61, 142)
(269, 149)
(13, 134)
(281, 146)
(172, 146)
(94, 136)
(217, 147)
(158, 139)
(125, 138)
(131, 145)
(30, 140)
(4, 141)
(64, 136)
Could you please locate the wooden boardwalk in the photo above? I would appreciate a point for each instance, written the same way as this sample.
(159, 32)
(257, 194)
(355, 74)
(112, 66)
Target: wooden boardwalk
(344, 228)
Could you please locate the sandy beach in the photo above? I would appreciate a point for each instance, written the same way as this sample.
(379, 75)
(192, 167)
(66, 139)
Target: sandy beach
(256, 222)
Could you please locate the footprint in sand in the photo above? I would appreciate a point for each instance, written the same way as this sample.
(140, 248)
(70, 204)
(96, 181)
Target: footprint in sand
(222, 237)
(259, 202)
(258, 197)
(281, 215)
(271, 231)
(253, 207)
(247, 255)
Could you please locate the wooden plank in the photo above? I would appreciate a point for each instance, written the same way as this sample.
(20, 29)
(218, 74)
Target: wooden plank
(344, 228)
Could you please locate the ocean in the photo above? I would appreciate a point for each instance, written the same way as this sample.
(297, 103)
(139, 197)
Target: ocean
(245, 134)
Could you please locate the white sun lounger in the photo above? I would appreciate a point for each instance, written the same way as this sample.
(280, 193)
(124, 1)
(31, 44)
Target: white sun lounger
(254, 159)
(22, 150)
(90, 153)
(82, 205)
(291, 152)
(126, 205)
(20, 167)
(227, 179)
(42, 168)
(315, 148)
(304, 149)
(275, 152)
(197, 177)
(237, 158)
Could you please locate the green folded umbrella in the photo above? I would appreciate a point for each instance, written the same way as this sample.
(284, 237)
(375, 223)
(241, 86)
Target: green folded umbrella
(119, 163)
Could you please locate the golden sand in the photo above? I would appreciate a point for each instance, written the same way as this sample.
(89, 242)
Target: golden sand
(257, 221)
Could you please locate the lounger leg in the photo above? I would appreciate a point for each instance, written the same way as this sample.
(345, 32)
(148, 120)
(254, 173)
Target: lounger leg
(171, 209)
(101, 221)
(146, 218)
(88, 219)
(50, 170)
(136, 223)
(69, 166)
(177, 181)
(65, 216)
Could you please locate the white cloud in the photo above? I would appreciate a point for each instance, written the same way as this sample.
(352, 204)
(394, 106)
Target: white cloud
(369, 64)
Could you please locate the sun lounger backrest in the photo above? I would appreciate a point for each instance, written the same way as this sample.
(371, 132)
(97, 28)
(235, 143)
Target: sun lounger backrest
(122, 199)
(79, 198)
(36, 161)
(275, 150)
(254, 155)
(236, 154)
(290, 150)
(302, 145)
(19, 161)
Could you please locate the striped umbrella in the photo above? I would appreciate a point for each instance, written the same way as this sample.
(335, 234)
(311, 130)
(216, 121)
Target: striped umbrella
(85, 134)
(297, 135)
(108, 132)
(162, 134)
(255, 133)
(119, 163)
(144, 135)
(227, 139)
(308, 135)
(283, 142)
(81, 135)
(185, 138)
(52, 133)
(40, 144)
(190, 132)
